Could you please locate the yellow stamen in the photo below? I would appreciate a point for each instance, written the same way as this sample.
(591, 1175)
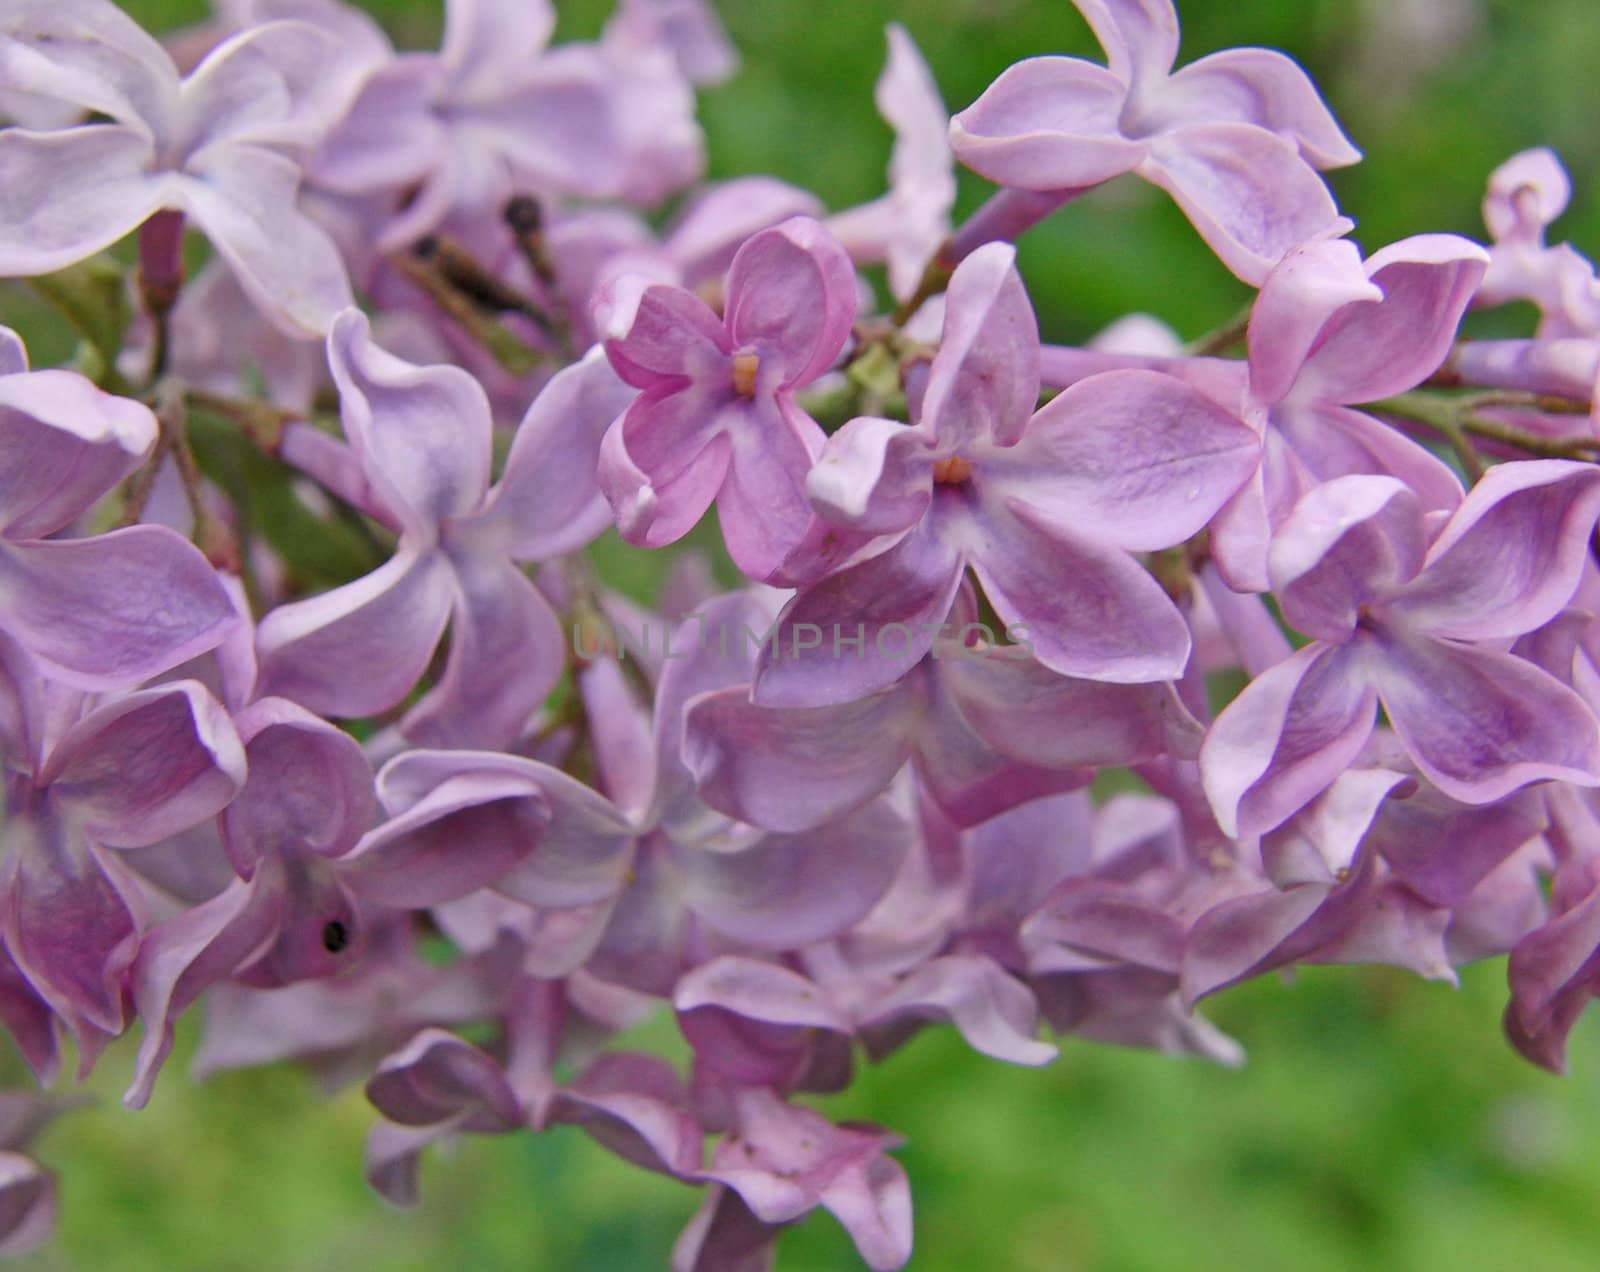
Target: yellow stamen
(745, 366)
(951, 471)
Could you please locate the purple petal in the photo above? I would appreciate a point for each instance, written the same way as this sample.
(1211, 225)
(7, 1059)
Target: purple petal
(310, 786)
(922, 184)
(970, 780)
(69, 921)
(757, 990)
(664, 461)
(1047, 123)
(63, 444)
(548, 502)
(1105, 920)
(1348, 542)
(1286, 737)
(633, 1105)
(1303, 292)
(984, 382)
(27, 1204)
(1481, 723)
(790, 890)
(422, 433)
(654, 332)
(183, 957)
(763, 506)
(109, 611)
(792, 297)
(1261, 87)
(1512, 554)
(1089, 610)
(147, 765)
(437, 1076)
(705, 236)
(1140, 37)
(506, 654)
(994, 1012)
(892, 604)
(1130, 458)
(93, 55)
(1442, 850)
(1248, 192)
(724, 1236)
(1526, 193)
(487, 41)
(786, 1160)
(489, 812)
(360, 648)
(1026, 711)
(1335, 441)
(874, 476)
(791, 768)
(86, 188)
(1371, 351)
(243, 197)
(464, 835)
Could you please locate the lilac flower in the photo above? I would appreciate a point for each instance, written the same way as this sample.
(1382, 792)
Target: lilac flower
(210, 145)
(717, 419)
(291, 914)
(1526, 193)
(1328, 332)
(985, 729)
(688, 29)
(1408, 622)
(1235, 138)
(1331, 899)
(131, 772)
(1045, 506)
(907, 225)
(27, 1190)
(496, 112)
(419, 460)
(106, 611)
(634, 886)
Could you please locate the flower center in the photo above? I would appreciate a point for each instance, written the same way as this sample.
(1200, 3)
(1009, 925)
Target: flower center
(951, 471)
(745, 366)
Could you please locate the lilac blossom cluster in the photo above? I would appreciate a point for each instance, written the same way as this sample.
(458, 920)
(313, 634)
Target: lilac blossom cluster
(986, 761)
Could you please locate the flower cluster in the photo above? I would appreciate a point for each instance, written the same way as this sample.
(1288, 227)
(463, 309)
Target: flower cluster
(1061, 686)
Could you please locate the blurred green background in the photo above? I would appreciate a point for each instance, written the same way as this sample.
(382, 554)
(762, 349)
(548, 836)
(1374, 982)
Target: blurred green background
(1380, 1122)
